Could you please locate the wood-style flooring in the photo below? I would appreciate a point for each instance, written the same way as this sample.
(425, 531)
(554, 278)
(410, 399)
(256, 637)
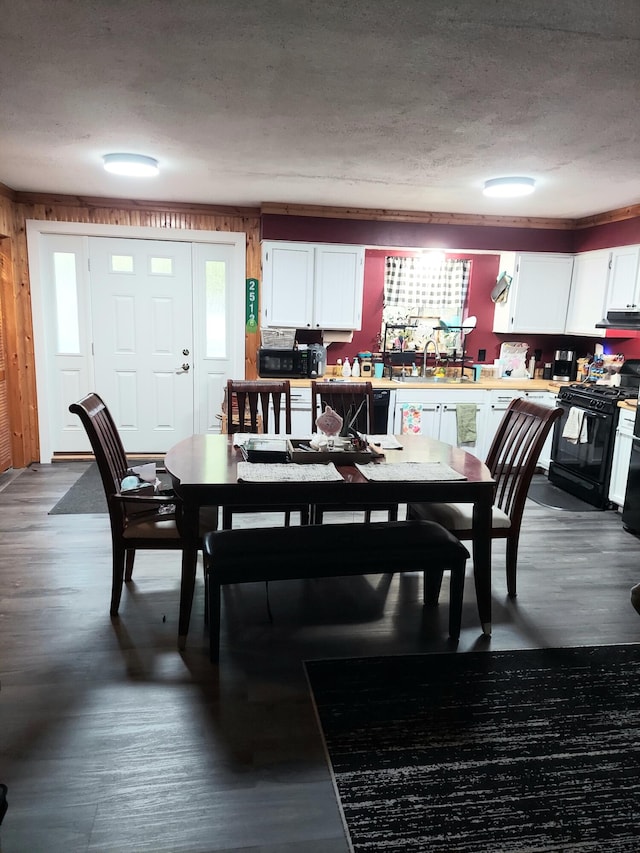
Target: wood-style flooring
(111, 741)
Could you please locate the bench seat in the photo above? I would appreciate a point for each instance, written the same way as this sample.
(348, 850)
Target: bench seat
(333, 550)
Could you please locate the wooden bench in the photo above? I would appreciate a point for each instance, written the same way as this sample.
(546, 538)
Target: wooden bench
(333, 550)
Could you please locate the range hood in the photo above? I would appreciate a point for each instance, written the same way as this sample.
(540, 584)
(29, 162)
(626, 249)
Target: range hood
(627, 320)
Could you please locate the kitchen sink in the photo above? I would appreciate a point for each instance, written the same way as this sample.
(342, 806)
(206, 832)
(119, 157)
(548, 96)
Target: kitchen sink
(433, 380)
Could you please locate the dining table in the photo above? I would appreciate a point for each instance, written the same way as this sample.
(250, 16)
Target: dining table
(204, 472)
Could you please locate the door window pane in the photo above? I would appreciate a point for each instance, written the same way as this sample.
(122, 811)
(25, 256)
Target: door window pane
(215, 309)
(66, 296)
(161, 266)
(121, 263)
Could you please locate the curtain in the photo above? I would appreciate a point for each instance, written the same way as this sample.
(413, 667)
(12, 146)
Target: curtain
(416, 287)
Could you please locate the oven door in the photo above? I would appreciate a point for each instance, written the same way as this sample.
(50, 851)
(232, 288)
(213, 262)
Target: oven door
(588, 458)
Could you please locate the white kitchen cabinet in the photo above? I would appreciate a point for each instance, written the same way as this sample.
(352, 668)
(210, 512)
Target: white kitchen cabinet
(434, 414)
(449, 421)
(621, 457)
(424, 414)
(544, 398)
(624, 279)
(496, 407)
(312, 286)
(588, 293)
(538, 298)
(300, 413)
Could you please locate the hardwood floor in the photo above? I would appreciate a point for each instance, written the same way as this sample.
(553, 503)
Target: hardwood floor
(111, 740)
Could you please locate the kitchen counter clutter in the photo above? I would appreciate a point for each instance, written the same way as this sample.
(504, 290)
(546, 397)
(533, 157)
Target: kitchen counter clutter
(465, 414)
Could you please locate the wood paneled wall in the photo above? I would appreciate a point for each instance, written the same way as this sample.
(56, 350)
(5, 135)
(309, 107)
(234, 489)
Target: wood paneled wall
(19, 382)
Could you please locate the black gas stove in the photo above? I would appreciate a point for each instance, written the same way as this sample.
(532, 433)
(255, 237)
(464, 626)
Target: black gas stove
(599, 398)
(583, 437)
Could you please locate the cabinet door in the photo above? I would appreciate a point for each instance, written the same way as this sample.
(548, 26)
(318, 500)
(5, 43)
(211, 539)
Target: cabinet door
(588, 293)
(449, 428)
(539, 295)
(417, 418)
(621, 459)
(339, 279)
(622, 293)
(287, 292)
(495, 409)
(544, 398)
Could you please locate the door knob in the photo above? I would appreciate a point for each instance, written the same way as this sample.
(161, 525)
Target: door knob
(185, 352)
(186, 367)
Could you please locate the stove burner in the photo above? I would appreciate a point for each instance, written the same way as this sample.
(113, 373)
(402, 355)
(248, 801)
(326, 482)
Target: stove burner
(608, 392)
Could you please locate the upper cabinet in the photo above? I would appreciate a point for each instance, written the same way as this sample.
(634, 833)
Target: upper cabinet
(588, 292)
(538, 298)
(624, 283)
(312, 286)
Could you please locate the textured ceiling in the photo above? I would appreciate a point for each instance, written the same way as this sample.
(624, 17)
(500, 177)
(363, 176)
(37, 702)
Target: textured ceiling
(399, 105)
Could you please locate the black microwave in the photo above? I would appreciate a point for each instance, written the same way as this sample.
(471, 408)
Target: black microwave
(292, 363)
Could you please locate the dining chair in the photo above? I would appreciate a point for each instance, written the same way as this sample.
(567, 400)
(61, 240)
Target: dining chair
(353, 401)
(512, 461)
(255, 406)
(138, 523)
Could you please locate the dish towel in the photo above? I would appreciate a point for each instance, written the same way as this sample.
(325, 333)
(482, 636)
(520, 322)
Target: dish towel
(411, 418)
(466, 423)
(574, 430)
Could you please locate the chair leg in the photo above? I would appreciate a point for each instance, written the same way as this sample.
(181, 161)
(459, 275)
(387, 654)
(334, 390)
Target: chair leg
(431, 586)
(128, 566)
(214, 621)
(227, 516)
(287, 519)
(456, 592)
(512, 563)
(118, 561)
(305, 516)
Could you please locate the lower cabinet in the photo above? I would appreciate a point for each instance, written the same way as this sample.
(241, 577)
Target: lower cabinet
(435, 413)
(499, 403)
(621, 457)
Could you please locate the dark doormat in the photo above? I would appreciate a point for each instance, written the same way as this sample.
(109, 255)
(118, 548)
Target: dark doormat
(547, 494)
(485, 751)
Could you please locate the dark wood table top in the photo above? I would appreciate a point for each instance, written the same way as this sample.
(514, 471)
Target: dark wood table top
(204, 470)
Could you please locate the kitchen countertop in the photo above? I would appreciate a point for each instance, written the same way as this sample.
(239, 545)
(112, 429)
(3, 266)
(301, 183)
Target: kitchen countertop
(488, 384)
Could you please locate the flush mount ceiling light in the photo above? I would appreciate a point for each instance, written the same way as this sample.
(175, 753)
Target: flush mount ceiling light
(509, 187)
(132, 165)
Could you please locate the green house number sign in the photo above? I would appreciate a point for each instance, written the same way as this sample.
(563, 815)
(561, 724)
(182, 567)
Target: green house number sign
(251, 306)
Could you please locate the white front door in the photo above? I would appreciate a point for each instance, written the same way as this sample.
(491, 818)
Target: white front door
(142, 322)
(122, 311)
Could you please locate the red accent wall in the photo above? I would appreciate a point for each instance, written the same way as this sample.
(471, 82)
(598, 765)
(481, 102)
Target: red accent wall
(414, 235)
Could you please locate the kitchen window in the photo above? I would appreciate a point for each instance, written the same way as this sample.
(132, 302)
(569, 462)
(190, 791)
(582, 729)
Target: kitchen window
(421, 291)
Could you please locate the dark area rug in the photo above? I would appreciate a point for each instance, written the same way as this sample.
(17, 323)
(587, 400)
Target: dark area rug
(479, 752)
(547, 494)
(87, 494)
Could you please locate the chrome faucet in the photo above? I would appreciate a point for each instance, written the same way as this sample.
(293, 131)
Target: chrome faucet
(436, 352)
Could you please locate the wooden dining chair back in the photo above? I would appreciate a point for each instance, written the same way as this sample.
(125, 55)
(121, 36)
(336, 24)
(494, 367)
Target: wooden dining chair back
(260, 406)
(512, 460)
(147, 522)
(353, 401)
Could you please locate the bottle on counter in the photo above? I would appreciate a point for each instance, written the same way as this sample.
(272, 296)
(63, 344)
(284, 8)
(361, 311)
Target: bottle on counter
(355, 370)
(346, 368)
(338, 368)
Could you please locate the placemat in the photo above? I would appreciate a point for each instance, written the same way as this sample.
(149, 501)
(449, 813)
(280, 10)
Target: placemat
(283, 472)
(409, 471)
